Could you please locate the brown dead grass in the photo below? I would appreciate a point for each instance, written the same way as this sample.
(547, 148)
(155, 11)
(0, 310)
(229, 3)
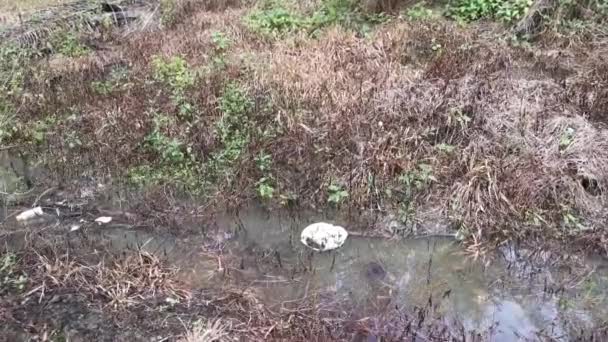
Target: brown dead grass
(363, 111)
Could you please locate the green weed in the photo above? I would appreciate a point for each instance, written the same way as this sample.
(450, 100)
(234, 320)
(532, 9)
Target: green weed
(409, 183)
(419, 12)
(275, 21)
(173, 72)
(117, 80)
(504, 10)
(10, 278)
(567, 138)
(336, 194)
(68, 44)
(221, 43)
(265, 186)
(168, 12)
(446, 148)
(265, 189)
(233, 128)
(169, 150)
(176, 74)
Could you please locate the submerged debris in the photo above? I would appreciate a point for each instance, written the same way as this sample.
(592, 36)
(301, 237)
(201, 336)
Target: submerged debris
(103, 220)
(323, 236)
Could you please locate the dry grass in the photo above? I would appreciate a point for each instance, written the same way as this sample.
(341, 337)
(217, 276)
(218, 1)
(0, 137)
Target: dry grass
(210, 331)
(527, 125)
(122, 282)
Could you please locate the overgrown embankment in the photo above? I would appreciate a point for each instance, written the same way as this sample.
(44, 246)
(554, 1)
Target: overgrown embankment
(410, 111)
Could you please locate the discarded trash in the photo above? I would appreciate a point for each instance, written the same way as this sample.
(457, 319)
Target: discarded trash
(74, 227)
(103, 220)
(30, 214)
(323, 236)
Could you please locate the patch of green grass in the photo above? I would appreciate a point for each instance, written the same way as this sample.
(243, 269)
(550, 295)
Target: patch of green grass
(233, 129)
(410, 183)
(419, 11)
(68, 44)
(11, 279)
(221, 43)
(264, 186)
(504, 10)
(276, 19)
(117, 80)
(336, 194)
(169, 150)
(178, 76)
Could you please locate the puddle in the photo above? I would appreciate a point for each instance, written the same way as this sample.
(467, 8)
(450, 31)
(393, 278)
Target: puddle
(375, 275)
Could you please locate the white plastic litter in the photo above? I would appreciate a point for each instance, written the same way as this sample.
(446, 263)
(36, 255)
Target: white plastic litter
(30, 214)
(103, 220)
(323, 236)
(74, 227)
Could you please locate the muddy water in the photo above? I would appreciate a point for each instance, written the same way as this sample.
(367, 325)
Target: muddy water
(262, 250)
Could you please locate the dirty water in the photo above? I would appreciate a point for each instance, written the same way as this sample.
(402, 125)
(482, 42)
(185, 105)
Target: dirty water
(261, 250)
(511, 296)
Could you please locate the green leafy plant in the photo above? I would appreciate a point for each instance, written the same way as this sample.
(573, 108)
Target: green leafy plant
(419, 11)
(504, 10)
(265, 188)
(69, 45)
(567, 138)
(410, 182)
(176, 74)
(170, 150)
(221, 44)
(275, 20)
(233, 128)
(10, 278)
(168, 12)
(336, 194)
(117, 80)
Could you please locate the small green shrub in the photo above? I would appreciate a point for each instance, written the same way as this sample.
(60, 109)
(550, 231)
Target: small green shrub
(176, 74)
(265, 188)
(275, 21)
(567, 138)
(173, 72)
(504, 10)
(170, 150)
(419, 11)
(221, 43)
(117, 80)
(69, 45)
(336, 194)
(10, 278)
(169, 12)
(233, 128)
